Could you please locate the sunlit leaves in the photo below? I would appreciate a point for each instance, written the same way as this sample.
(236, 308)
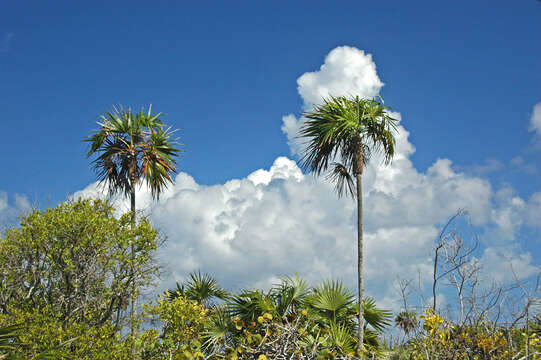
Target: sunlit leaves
(76, 259)
(292, 319)
(342, 133)
(131, 147)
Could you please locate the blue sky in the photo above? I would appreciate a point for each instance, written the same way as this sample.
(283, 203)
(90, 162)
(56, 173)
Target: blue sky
(465, 77)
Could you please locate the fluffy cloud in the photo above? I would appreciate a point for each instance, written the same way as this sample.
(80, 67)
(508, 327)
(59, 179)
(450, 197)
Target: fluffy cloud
(278, 221)
(535, 120)
(346, 71)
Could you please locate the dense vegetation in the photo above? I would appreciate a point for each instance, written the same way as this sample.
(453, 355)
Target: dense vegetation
(65, 284)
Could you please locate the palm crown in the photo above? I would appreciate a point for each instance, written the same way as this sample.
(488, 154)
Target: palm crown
(347, 130)
(133, 147)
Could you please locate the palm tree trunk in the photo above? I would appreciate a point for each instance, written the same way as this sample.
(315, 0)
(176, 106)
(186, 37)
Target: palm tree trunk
(359, 174)
(133, 320)
(360, 261)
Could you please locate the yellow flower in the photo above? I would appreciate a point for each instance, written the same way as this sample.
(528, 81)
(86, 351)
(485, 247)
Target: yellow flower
(304, 312)
(267, 316)
(260, 319)
(262, 357)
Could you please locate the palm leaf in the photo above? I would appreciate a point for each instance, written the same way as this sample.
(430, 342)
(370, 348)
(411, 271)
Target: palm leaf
(218, 331)
(331, 300)
(407, 321)
(9, 337)
(203, 288)
(341, 129)
(377, 318)
(248, 305)
(342, 338)
(344, 182)
(290, 294)
(131, 147)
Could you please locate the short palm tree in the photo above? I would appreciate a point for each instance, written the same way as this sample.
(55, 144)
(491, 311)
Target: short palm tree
(330, 307)
(202, 288)
(132, 147)
(407, 321)
(341, 135)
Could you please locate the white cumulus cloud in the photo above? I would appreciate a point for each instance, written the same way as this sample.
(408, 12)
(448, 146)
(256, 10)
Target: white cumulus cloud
(279, 221)
(343, 62)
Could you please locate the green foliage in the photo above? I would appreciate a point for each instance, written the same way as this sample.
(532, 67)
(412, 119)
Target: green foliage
(407, 321)
(331, 300)
(438, 338)
(76, 260)
(9, 339)
(182, 323)
(347, 130)
(65, 273)
(131, 147)
(45, 336)
(535, 325)
(198, 287)
(290, 295)
(291, 319)
(65, 276)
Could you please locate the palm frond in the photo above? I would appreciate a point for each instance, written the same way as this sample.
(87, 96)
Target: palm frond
(407, 321)
(377, 318)
(248, 305)
(331, 299)
(217, 332)
(346, 131)
(373, 346)
(203, 287)
(57, 352)
(290, 294)
(344, 182)
(178, 291)
(342, 338)
(9, 337)
(130, 147)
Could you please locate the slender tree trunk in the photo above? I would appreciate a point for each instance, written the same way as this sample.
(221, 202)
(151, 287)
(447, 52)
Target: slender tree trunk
(528, 331)
(133, 309)
(434, 280)
(435, 275)
(360, 297)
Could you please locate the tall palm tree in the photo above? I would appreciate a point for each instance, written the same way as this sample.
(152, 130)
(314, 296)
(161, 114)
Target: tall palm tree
(342, 133)
(132, 147)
